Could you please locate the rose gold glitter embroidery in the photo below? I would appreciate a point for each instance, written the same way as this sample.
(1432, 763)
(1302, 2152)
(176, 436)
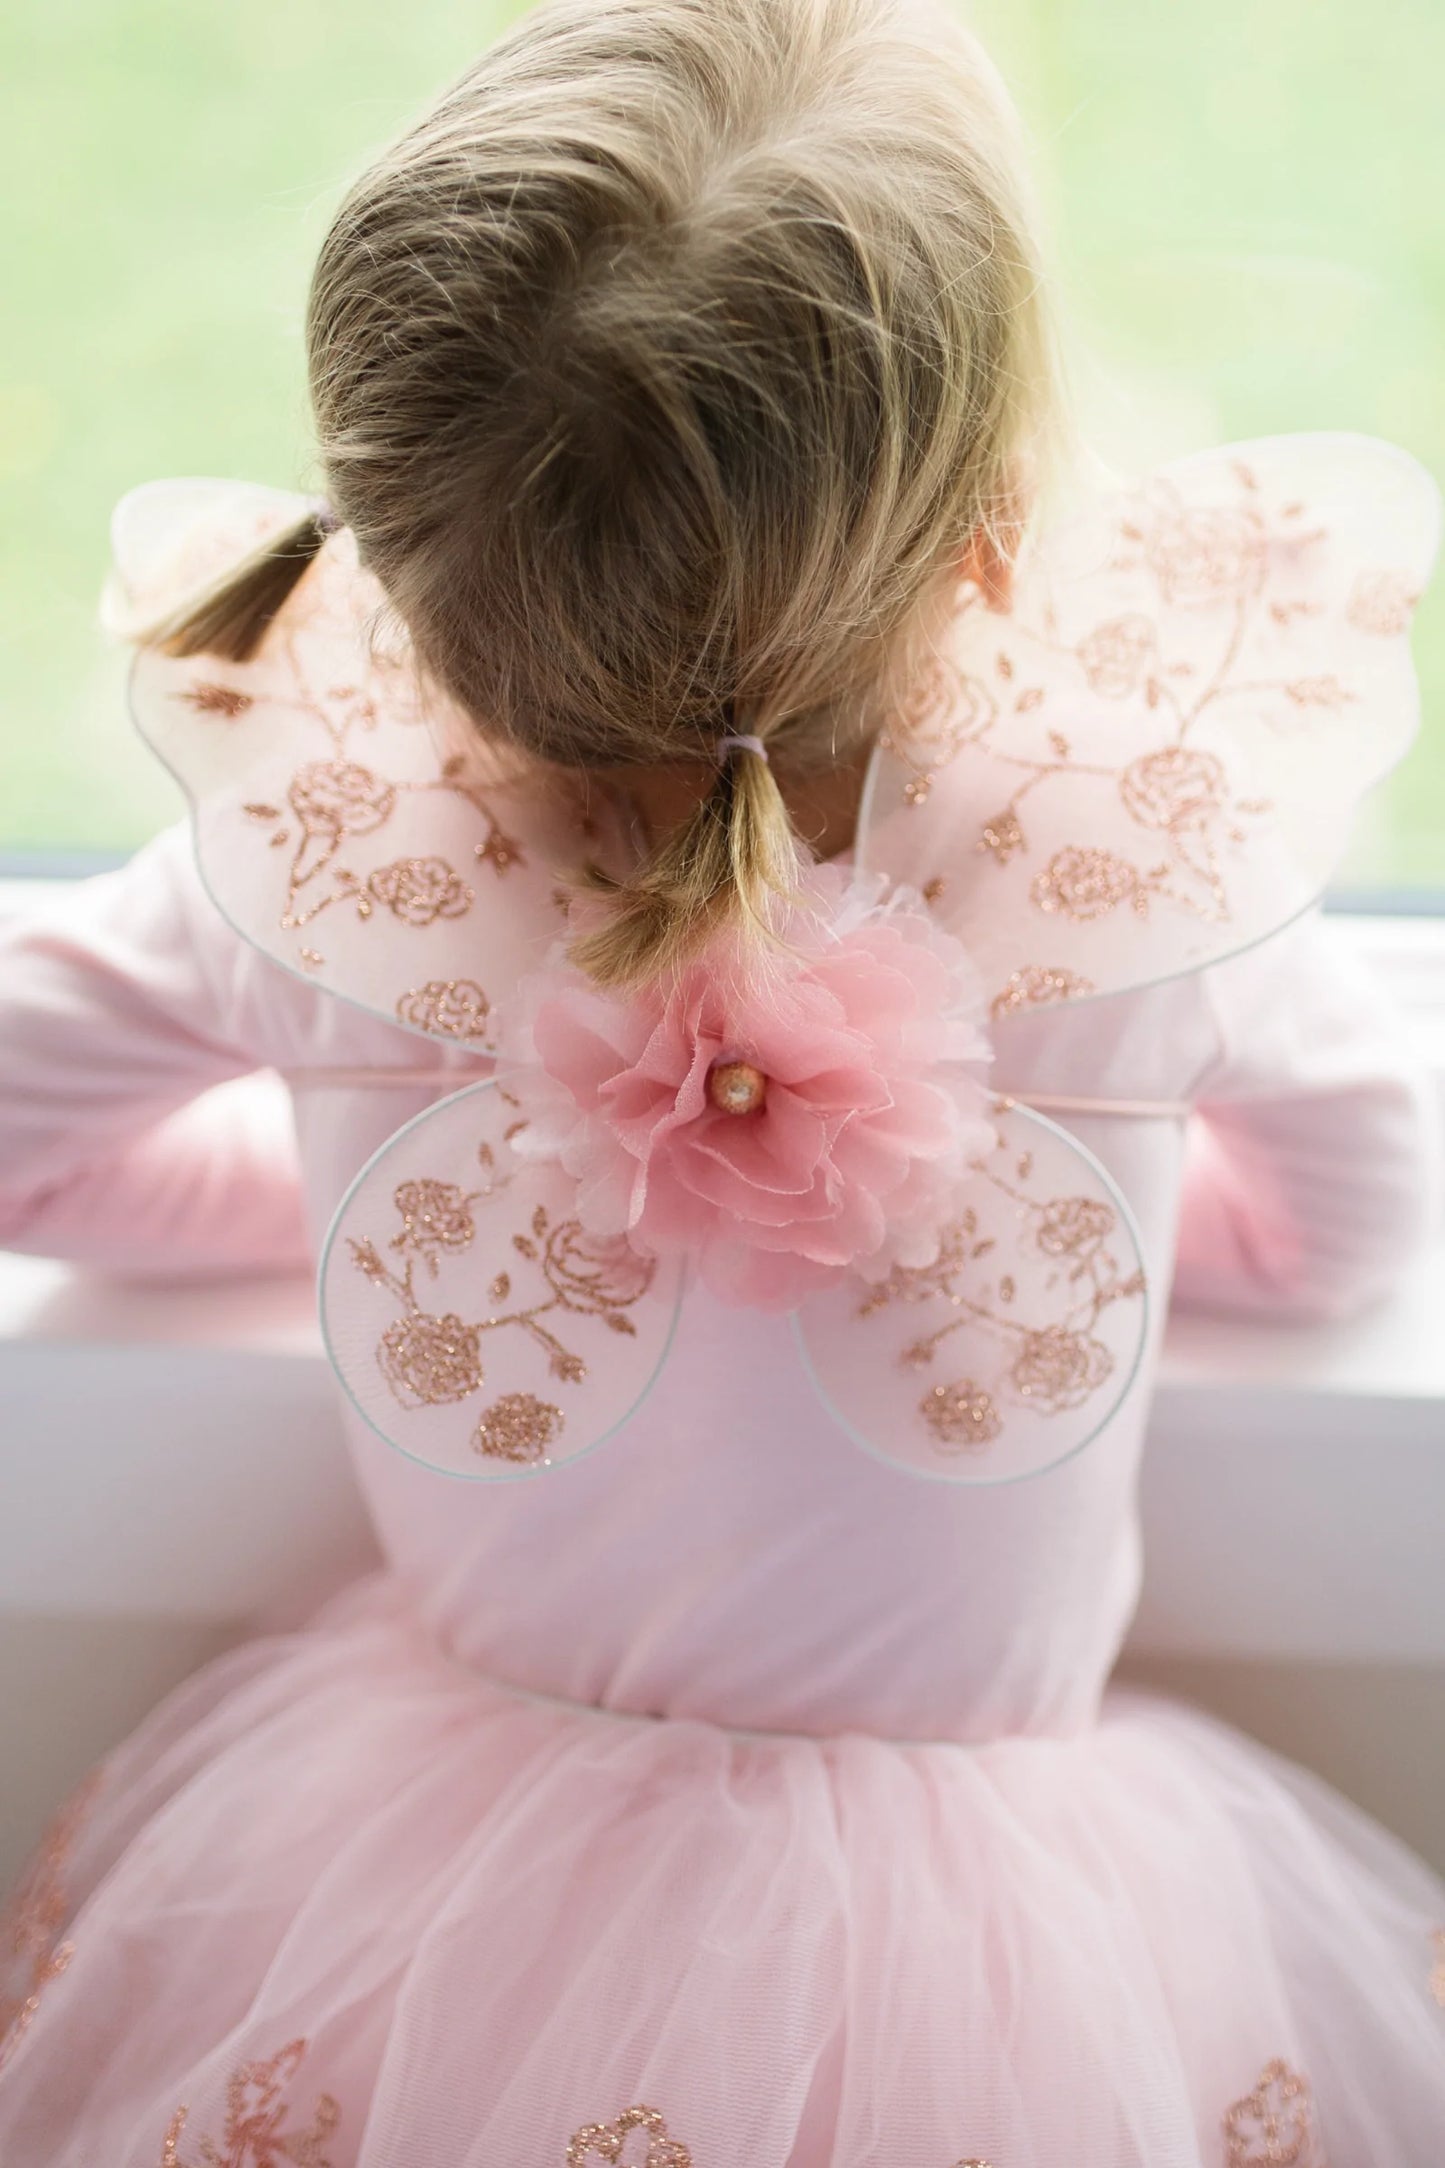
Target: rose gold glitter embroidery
(1003, 835)
(31, 1952)
(1113, 655)
(1319, 692)
(1382, 603)
(1272, 2127)
(944, 711)
(432, 1361)
(1203, 556)
(336, 798)
(499, 852)
(1221, 563)
(596, 1275)
(447, 1008)
(1057, 1369)
(1174, 789)
(961, 1416)
(257, 2115)
(604, 2142)
(1074, 1225)
(935, 890)
(1086, 884)
(518, 1427)
(339, 800)
(211, 699)
(435, 1216)
(1035, 985)
(419, 891)
(1050, 1363)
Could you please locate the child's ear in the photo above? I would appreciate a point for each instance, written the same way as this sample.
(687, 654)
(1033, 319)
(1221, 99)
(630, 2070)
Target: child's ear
(984, 563)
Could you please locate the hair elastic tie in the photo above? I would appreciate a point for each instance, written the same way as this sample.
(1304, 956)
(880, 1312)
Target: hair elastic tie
(325, 518)
(725, 746)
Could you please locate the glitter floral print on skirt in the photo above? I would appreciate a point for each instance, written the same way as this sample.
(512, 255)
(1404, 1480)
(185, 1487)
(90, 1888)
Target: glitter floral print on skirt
(641, 1877)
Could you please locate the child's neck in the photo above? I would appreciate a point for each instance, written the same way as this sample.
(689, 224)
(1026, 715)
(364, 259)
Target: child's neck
(824, 806)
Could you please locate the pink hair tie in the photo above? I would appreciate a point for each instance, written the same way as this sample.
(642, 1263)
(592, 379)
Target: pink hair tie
(725, 746)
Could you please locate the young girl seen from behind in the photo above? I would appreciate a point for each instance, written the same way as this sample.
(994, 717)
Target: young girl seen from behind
(750, 896)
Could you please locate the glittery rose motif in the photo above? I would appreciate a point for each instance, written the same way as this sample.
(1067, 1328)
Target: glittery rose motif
(1174, 789)
(1272, 2127)
(961, 1416)
(1085, 884)
(430, 1361)
(340, 798)
(1204, 555)
(1113, 656)
(519, 1427)
(596, 1275)
(420, 890)
(436, 1216)
(609, 2145)
(1057, 1369)
(864, 1023)
(1074, 1226)
(1382, 603)
(447, 1008)
(942, 712)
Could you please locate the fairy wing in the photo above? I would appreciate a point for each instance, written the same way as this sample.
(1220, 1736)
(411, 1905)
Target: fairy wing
(1152, 760)
(473, 1322)
(1011, 1351)
(346, 821)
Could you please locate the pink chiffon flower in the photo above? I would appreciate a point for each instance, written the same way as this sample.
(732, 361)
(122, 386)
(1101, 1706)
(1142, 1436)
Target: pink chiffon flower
(863, 1035)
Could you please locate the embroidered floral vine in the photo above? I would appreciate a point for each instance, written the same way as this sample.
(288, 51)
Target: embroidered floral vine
(258, 2131)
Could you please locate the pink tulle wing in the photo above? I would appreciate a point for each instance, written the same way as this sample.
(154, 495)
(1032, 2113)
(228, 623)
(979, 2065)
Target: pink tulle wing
(1013, 1349)
(473, 1321)
(348, 823)
(1153, 758)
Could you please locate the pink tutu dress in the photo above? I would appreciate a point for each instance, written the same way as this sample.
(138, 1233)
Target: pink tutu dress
(748, 1792)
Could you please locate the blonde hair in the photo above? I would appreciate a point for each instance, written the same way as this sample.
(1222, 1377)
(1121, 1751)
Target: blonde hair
(660, 371)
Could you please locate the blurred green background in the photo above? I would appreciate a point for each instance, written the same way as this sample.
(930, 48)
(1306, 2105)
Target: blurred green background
(1245, 199)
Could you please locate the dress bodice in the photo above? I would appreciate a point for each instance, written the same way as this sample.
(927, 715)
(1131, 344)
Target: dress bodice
(731, 1553)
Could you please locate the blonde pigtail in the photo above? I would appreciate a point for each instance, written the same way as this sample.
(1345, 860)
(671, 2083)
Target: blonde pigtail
(730, 861)
(231, 619)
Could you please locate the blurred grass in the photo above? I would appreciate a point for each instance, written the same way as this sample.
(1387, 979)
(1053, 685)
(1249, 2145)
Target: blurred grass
(1245, 204)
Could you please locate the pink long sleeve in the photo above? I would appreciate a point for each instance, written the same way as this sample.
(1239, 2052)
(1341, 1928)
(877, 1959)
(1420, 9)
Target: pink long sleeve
(1313, 1172)
(115, 1024)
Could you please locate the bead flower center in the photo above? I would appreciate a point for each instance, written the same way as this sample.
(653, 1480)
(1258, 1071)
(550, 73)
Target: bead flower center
(736, 1087)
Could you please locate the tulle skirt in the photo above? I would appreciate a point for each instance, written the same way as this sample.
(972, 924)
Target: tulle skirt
(342, 1902)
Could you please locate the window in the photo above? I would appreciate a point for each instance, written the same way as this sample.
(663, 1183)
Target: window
(1245, 204)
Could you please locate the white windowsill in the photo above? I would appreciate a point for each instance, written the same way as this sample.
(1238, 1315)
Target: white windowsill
(177, 1451)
